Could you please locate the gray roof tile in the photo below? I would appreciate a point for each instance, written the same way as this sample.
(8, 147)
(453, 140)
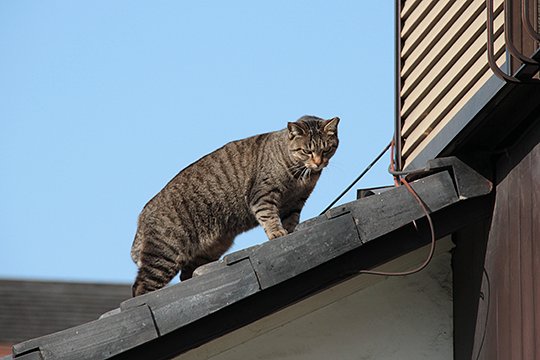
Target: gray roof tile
(257, 281)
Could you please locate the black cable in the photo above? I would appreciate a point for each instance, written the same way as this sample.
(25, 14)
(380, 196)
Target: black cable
(398, 181)
(357, 179)
(483, 296)
(404, 173)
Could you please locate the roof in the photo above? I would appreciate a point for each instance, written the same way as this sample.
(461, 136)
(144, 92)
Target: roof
(251, 283)
(29, 309)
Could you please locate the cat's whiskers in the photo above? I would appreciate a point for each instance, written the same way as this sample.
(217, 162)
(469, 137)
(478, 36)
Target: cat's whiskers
(296, 169)
(306, 174)
(301, 174)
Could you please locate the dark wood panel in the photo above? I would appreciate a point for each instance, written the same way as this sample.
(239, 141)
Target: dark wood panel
(522, 40)
(508, 322)
(470, 249)
(535, 232)
(526, 262)
(511, 190)
(501, 316)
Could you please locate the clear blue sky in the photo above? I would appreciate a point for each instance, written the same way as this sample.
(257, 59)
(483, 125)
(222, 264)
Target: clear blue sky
(103, 102)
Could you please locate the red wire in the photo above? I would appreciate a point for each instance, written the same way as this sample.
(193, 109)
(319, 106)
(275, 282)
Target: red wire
(392, 165)
(398, 181)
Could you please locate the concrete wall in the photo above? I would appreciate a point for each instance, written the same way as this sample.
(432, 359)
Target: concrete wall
(367, 317)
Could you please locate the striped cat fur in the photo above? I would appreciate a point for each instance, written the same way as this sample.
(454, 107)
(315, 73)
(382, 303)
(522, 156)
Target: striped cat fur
(261, 180)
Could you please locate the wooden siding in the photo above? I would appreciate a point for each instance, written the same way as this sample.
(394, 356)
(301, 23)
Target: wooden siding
(508, 321)
(444, 63)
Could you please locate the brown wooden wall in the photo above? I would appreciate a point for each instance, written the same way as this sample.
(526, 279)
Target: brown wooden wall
(508, 320)
(522, 40)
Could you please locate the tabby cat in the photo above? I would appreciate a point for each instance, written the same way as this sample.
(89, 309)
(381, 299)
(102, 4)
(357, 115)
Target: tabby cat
(264, 179)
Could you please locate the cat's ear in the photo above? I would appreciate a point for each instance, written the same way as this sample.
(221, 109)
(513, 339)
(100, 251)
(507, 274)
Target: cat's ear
(330, 126)
(295, 129)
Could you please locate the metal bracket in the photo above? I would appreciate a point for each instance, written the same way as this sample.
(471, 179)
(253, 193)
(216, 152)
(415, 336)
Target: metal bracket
(508, 36)
(525, 19)
(527, 61)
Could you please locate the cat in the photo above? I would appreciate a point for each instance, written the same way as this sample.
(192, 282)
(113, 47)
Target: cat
(261, 180)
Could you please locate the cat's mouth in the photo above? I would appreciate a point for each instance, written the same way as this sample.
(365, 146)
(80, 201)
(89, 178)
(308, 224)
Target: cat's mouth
(314, 167)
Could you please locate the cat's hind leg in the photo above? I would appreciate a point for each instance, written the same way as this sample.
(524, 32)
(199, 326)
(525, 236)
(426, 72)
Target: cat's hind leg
(159, 262)
(153, 274)
(188, 269)
(212, 251)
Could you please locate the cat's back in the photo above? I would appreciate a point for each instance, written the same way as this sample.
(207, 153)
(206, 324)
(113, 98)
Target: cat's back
(238, 152)
(222, 174)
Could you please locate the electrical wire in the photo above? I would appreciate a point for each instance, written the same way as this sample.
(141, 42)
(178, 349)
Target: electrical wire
(398, 181)
(357, 179)
(431, 249)
(488, 296)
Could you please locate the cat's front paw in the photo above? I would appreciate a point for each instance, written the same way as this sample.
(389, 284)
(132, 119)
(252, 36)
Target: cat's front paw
(277, 233)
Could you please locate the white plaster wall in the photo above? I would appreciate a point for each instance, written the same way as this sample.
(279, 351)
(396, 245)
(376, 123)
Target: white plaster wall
(392, 318)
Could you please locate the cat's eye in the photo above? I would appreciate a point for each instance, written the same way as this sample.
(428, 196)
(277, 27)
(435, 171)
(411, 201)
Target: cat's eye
(305, 152)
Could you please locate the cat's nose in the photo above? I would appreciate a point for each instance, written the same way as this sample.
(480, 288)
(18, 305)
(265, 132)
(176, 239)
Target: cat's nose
(317, 160)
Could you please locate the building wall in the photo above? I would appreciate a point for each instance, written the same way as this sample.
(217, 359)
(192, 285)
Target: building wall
(467, 265)
(444, 65)
(366, 317)
(521, 38)
(508, 320)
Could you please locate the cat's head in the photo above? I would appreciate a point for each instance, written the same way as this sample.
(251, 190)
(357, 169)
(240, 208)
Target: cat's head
(313, 141)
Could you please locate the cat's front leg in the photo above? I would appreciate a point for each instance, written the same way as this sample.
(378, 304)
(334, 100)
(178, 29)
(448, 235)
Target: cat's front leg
(267, 215)
(291, 221)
